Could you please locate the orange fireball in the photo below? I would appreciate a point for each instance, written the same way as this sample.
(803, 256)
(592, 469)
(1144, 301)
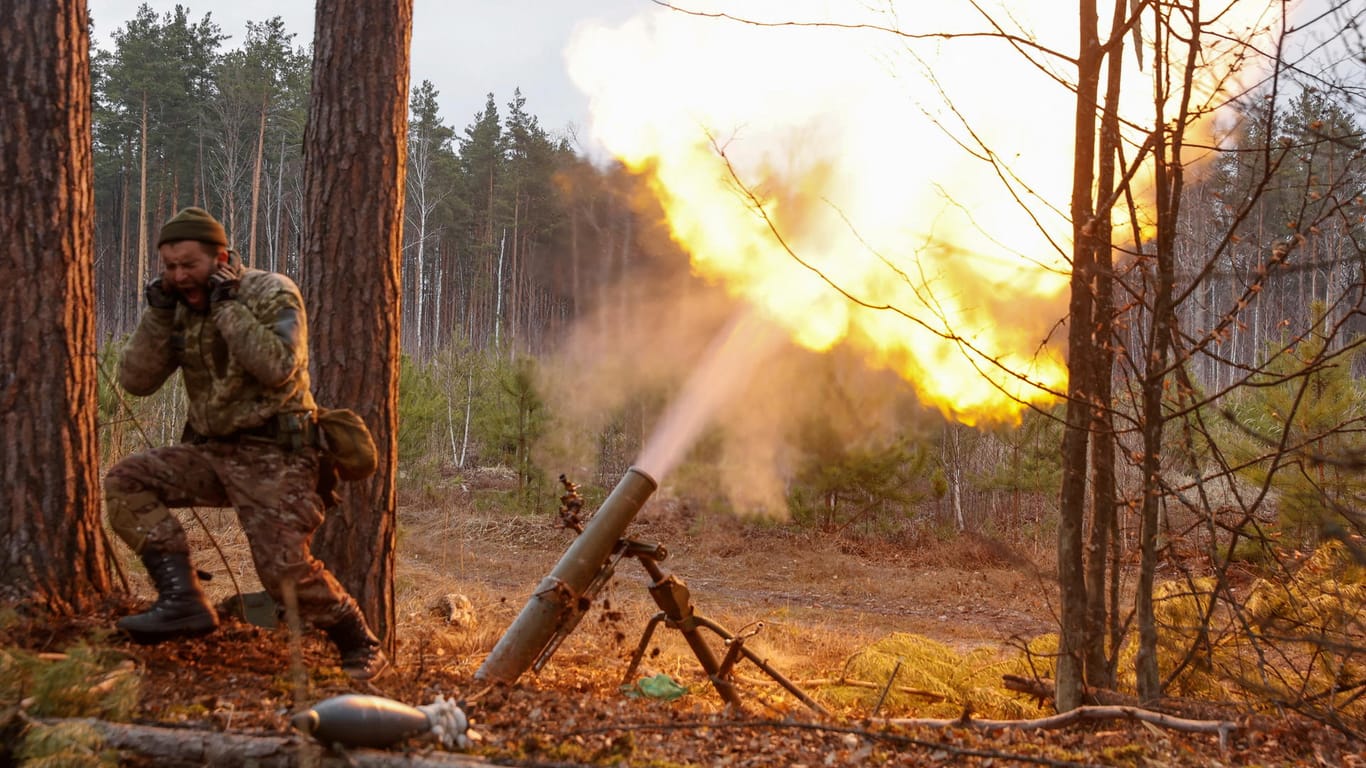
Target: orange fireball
(903, 194)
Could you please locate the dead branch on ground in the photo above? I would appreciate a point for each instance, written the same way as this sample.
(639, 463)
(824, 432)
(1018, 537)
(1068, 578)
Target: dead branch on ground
(194, 747)
(1091, 712)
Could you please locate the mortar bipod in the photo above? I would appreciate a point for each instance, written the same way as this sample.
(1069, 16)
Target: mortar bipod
(676, 611)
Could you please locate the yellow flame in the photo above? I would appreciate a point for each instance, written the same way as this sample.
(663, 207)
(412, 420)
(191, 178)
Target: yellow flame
(837, 179)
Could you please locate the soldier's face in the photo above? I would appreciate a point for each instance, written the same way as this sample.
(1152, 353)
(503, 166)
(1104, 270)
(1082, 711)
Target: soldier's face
(186, 265)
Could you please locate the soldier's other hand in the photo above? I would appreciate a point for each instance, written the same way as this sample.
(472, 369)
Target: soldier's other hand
(159, 295)
(224, 282)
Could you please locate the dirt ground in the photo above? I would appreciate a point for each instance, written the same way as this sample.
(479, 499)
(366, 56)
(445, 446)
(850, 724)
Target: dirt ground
(839, 594)
(819, 598)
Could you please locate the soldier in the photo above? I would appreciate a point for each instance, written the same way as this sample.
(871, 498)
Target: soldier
(240, 339)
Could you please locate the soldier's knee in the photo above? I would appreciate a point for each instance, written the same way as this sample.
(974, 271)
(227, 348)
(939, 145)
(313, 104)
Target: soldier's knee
(120, 483)
(133, 512)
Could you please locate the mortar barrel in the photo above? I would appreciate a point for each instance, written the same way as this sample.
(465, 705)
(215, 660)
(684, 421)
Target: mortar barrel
(553, 600)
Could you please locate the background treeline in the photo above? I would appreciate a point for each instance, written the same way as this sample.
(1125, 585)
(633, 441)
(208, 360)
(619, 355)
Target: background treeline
(509, 237)
(512, 239)
(492, 257)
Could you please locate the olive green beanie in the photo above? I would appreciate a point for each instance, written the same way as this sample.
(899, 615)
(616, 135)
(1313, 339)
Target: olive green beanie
(193, 224)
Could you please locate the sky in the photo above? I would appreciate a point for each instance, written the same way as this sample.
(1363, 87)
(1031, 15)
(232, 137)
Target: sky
(467, 49)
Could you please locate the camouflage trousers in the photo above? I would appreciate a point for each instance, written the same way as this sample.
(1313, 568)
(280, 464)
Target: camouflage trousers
(274, 492)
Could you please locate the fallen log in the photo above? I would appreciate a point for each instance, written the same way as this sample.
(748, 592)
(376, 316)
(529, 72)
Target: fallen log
(1043, 689)
(195, 747)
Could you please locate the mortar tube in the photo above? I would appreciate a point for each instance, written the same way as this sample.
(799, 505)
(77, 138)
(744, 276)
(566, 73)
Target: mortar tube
(554, 597)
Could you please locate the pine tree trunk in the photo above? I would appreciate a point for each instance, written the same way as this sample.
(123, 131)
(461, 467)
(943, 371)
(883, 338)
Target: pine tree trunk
(514, 297)
(142, 202)
(355, 151)
(201, 193)
(276, 242)
(126, 302)
(53, 557)
(256, 183)
(498, 294)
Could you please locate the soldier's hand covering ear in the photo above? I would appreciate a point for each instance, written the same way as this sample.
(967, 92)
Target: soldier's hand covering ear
(224, 282)
(159, 295)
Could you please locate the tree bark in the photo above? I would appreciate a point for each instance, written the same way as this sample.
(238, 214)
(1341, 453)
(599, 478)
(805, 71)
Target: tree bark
(1072, 503)
(256, 182)
(126, 309)
(142, 203)
(53, 557)
(191, 747)
(355, 149)
(1102, 594)
(1169, 178)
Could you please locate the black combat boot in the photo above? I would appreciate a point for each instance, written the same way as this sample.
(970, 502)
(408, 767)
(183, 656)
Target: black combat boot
(181, 610)
(361, 655)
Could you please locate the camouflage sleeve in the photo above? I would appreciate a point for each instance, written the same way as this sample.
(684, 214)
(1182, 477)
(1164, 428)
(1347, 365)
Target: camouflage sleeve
(149, 360)
(265, 333)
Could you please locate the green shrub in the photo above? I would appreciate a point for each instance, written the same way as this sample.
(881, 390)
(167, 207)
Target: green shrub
(85, 682)
(1304, 412)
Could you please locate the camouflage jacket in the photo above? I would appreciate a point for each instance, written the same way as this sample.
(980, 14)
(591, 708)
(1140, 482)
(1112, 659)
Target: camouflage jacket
(242, 361)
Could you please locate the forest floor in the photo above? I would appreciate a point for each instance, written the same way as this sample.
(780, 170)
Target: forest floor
(820, 598)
